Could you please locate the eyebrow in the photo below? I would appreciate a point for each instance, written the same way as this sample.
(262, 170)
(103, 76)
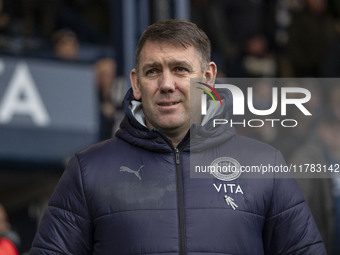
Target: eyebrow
(171, 64)
(151, 65)
(180, 63)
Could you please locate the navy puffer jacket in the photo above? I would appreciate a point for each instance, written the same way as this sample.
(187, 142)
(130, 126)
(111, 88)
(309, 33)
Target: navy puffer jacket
(134, 195)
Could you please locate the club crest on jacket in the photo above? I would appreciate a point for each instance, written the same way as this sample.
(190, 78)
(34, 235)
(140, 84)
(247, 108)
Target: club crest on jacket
(225, 169)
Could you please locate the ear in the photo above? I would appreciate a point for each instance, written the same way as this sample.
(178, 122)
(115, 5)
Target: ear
(135, 84)
(210, 73)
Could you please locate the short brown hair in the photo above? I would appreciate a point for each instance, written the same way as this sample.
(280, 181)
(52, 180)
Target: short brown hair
(180, 32)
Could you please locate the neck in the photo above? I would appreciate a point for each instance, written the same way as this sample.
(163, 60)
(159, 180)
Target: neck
(175, 136)
(174, 139)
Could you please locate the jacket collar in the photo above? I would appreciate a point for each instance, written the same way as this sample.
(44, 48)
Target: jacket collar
(201, 136)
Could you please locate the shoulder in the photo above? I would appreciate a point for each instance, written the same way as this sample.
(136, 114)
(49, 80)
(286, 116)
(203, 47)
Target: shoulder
(253, 144)
(253, 150)
(98, 148)
(103, 149)
(99, 156)
(108, 156)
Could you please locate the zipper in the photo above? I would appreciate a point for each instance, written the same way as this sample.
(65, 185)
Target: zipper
(180, 203)
(177, 156)
(179, 185)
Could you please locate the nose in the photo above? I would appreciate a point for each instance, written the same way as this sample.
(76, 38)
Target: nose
(167, 82)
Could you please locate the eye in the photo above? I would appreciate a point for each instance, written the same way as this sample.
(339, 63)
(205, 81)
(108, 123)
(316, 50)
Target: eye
(180, 69)
(151, 72)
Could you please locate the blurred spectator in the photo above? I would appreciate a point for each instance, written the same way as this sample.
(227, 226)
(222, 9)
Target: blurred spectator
(65, 44)
(332, 66)
(262, 99)
(276, 23)
(5, 25)
(310, 34)
(228, 24)
(263, 94)
(289, 139)
(89, 19)
(9, 240)
(318, 92)
(236, 27)
(295, 5)
(4, 18)
(255, 59)
(105, 71)
(292, 138)
(334, 100)
(322, 148)
(39, 17)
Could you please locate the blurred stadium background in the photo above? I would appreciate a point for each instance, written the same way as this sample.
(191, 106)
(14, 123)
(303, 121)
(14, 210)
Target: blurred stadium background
(64, 68)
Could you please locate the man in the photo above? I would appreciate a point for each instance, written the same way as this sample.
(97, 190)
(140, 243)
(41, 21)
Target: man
(105, 73)
(134, 195)
(322, 147)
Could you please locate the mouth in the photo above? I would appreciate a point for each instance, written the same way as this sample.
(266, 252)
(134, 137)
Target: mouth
(168, 103)
(168, 107)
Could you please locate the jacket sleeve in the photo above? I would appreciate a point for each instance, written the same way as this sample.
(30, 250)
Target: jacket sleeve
(66, 227)
(289, 226)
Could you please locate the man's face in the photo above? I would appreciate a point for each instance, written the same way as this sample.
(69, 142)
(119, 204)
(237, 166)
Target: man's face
(163, 84)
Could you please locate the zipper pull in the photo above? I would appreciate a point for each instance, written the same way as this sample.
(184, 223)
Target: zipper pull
(177, 156)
